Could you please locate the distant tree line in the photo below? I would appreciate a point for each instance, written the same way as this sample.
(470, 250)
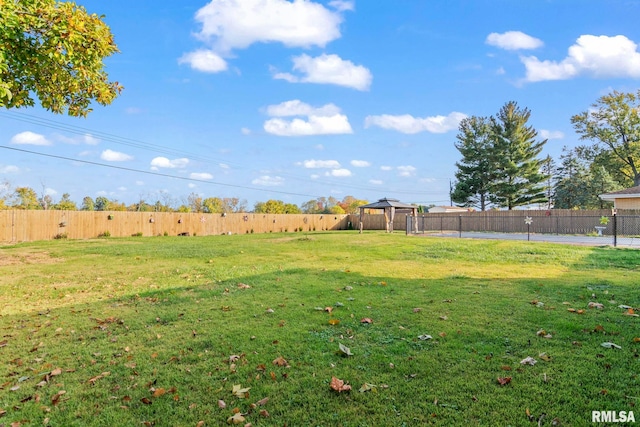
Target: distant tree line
(501, 165)
(28, 198)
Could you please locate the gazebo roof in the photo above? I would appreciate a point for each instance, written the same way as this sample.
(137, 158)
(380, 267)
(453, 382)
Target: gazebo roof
(388, 203)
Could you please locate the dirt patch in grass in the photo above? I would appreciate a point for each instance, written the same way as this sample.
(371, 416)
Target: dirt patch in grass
(28, 258)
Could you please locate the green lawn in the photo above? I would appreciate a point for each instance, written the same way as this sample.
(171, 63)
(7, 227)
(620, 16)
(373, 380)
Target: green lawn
(159, 331)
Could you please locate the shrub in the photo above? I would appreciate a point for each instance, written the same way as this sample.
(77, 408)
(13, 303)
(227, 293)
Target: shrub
(105, 234)
(138, 234)
(60, 236)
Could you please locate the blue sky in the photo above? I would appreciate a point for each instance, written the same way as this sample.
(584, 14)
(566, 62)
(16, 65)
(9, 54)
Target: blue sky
(293, 100)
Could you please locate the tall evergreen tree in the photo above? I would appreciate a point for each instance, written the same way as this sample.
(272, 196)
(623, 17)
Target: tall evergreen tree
(572, 176)
(518, 178)
(475, 171)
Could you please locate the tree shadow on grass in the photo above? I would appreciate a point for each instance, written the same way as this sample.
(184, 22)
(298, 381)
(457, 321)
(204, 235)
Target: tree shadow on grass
(195, 342)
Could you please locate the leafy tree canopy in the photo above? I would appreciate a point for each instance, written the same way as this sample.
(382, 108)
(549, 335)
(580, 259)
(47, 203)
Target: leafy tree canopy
(613, 123)
(55, 51)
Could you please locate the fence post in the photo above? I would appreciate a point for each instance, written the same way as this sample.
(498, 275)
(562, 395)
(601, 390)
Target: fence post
(460, 225)
(615, 229)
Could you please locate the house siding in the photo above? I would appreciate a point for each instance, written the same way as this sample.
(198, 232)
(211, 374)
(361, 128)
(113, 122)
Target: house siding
(631, 203)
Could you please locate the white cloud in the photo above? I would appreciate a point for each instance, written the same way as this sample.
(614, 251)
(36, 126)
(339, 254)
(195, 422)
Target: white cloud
(386, 168)
(268, 181)
(115, 156)
(342, 5)
(8, 169)
(296, 107)
(375, 182)
(30, 138)
(200, 175)
(321, 164)
(50, 191)
(204, 60)
(87, 138)
(245, 131)
(551, 134)
(328, 69)
(163, 162)
(90, 139)
(139, 182)
(360, 163)
(237, 24)
(240, 23)
(191, 185)
(406, 171)
(122, 188)
(595, 56)
(325, 120)
(338, 172)
(408, 124)
(334, 125)
(223, 166)
(513, 40)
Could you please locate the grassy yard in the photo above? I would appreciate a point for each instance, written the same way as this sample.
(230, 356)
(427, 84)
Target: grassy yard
(201, 331)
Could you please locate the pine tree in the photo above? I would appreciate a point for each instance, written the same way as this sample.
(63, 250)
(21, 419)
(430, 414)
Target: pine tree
(518, 178)
(571, 189)
(475, 170)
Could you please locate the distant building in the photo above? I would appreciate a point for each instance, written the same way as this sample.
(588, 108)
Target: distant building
(449, 209)
(629, 198)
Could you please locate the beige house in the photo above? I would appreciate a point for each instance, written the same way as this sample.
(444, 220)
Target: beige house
(629, 198)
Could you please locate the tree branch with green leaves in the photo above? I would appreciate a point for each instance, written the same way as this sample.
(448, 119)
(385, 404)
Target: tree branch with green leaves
(54, 51)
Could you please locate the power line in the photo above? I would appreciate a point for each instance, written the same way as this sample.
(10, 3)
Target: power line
(78, 130)
(155, 173)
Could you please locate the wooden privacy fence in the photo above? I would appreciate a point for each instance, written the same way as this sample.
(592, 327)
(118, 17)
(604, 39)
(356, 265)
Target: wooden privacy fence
(30, 225)
(544, 222)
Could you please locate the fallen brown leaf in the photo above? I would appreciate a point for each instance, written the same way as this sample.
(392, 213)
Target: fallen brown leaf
(504, 380)
(339, 385)
(236, 418)
(280, 361)
(159, 392)
(55, 399)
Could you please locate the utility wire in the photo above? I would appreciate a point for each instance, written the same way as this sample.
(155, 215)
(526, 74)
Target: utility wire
(78, 130)
(155, 173)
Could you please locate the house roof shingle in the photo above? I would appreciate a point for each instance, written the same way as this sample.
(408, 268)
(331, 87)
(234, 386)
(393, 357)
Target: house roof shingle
(621, 194)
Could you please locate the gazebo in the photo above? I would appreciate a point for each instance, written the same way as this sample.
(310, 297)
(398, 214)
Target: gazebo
(390, 207)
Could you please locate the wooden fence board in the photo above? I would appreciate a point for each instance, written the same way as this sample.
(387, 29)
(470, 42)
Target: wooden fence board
(30, 225)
